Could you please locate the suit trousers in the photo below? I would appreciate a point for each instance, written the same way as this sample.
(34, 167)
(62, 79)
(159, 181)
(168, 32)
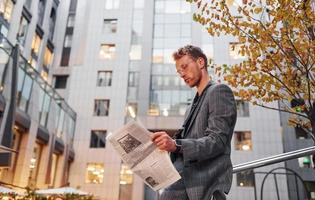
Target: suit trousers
(177, 191)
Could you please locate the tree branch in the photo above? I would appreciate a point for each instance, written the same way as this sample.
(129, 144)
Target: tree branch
(282, 110)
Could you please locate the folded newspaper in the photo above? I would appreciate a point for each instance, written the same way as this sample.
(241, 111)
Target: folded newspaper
(133, 144)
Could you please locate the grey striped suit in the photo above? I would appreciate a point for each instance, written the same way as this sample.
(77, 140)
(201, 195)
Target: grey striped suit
(205, 164)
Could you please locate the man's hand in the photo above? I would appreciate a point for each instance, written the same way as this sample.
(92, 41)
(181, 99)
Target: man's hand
(163, 141)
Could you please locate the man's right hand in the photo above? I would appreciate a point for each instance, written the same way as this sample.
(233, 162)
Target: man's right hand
(163, 141)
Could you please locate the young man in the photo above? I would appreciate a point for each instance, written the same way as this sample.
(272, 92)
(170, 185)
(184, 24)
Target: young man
(201, 150)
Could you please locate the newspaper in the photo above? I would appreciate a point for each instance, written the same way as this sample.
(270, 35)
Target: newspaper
(133, 144)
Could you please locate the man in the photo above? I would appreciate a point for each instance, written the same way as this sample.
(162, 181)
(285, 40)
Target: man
(201, 150)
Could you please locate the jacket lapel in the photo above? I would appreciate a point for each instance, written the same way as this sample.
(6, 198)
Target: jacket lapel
(195, 113)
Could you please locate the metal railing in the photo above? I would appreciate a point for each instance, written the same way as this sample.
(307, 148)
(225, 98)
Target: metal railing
(274, 159)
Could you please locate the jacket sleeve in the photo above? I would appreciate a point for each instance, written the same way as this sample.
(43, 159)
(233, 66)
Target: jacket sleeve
(220, 124)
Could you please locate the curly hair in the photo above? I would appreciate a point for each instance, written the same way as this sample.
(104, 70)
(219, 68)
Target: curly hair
(192, 51)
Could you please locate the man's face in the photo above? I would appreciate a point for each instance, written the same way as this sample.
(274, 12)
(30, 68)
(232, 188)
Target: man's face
(189, 70)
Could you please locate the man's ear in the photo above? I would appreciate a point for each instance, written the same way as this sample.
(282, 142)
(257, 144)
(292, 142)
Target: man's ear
(201, 62)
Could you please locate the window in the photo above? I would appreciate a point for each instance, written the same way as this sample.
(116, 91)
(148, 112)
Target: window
(104, 78)
(25, 84)
(242, 108)
(101, 107)
(300, 133)
(133, 79)
(47, 57)
(71, 20)
(34, 164)
(98, 139)
(61, 81)
(243, 140)
(112, 4)
(107, 51)
(126, 180)
(157, 56)
(41, 11)
(68, 41)
(6, 7)
(132, 110)
(310, 185)
(52, 23)
(235, 50)
(22, 30)
(28, 4)
(65, 56)
(245, 179)
(45, 101)
(110, 26)
(94, 173)
(135, 52)
(36, 44)
(54, 167)
(306, 162)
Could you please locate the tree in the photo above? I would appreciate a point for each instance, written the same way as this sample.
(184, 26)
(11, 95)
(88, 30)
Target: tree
(277, 39)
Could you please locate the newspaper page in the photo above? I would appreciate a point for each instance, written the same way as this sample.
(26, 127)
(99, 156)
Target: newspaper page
(133, 144)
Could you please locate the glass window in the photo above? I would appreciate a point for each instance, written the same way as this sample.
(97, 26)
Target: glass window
(172, 30)
(22, 30)
(112, 4)
(23, 101)
(168, 58)
(110, 26)
(28, 4)
(71, 20)
(52, 22)
(54, 167)
(34, 165)
(94, 173)
(104, 78)
(61, 121)
(133, 79)
(158, 30)
(172, 7)
(185, 30)
(107, 51)
(159, 6)
(98, 139)
(185, 7)
(245, 179)
(65, 56)
(135, 52)
(41, 11)
(138, 4)
(36, 44)
(126, 175)
(47, 57)
(243, 140)
(73, 5)
(61, 81)
(126, 180)
(44, 110)
(6, 7)
(157, 56)
(68, 41)
(101, 107)
(242, 108)
(132, 110)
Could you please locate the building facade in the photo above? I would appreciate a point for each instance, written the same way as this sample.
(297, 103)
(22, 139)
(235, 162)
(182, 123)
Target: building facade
(115, 64)
(37, 125)
(111, 62)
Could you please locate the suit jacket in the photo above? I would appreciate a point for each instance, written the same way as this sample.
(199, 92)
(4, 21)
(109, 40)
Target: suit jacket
(205, 164)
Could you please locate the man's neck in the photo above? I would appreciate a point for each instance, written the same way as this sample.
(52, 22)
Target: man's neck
(203, 83)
